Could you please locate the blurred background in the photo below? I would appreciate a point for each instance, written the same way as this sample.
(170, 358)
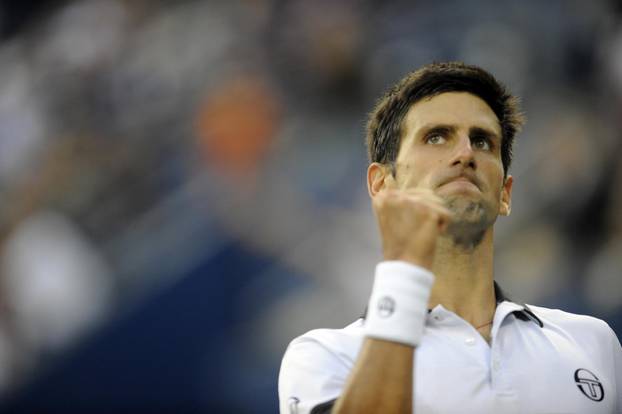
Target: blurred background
(183, 182)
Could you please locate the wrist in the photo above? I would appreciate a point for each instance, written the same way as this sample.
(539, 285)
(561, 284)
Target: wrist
(415, 260)
(398, 303)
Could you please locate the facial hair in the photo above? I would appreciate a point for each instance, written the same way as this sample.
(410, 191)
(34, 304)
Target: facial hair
(471, 220)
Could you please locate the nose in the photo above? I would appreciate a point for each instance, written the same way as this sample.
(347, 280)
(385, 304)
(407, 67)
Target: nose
(464, 154)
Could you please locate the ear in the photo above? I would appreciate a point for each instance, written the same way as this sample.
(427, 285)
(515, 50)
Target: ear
(378, 177)
(505, 206)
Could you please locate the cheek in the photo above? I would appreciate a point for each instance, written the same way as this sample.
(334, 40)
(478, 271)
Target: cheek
(494, 170)
(417, 168)
(492, 185)
(412, 175)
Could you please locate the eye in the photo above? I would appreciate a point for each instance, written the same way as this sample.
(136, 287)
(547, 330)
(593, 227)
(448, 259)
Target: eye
(481, 142)
(435, 139)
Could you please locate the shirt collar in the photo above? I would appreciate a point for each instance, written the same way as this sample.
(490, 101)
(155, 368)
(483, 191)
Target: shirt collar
(521, 312)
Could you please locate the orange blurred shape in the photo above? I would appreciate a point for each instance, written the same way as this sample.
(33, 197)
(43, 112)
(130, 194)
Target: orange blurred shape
(236, 125)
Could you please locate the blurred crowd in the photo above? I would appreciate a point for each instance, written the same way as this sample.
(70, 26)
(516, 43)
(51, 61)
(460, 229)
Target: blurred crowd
(141, 138)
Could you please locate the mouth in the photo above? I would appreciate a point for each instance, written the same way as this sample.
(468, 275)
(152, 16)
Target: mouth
(461, 182)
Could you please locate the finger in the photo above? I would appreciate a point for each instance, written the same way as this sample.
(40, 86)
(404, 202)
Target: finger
(424, 193)
(416, 198)
(436, 203)
(438, 222)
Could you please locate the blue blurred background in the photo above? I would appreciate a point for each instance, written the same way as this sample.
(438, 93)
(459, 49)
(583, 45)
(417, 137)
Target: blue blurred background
(183, 182)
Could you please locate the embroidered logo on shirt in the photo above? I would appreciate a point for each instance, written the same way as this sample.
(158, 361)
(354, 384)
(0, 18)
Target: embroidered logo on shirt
(589, 384)
(386, 306)
(292, 403)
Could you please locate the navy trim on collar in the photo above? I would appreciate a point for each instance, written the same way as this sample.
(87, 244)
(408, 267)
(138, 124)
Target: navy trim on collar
(525, 314)
(528, 315)
(500, 295)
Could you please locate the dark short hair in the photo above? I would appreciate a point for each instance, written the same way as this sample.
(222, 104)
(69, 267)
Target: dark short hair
(384, 127)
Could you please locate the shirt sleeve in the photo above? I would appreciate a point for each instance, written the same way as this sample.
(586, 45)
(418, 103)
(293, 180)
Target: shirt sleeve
(311, 375)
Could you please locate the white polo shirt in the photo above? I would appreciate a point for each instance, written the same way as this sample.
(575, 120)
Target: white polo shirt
(540, 361)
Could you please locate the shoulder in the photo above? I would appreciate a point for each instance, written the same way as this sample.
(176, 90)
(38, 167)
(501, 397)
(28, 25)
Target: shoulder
(580, 327)
(342, 342)
(316, 365)
(558, 316)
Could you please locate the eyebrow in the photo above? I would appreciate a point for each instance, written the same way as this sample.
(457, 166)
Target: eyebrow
(437, 128)
(483, 131)
(450, 129)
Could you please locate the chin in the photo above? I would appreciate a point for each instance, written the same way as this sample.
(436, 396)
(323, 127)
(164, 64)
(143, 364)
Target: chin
(470, 222)
(464, 205)
(468, 211)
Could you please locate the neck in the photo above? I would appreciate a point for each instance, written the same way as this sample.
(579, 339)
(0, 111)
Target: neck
(464, 279)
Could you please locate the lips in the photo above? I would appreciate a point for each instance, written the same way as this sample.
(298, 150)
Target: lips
(462, 178)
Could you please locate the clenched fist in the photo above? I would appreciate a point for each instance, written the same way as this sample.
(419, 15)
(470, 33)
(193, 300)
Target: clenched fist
(410, 223)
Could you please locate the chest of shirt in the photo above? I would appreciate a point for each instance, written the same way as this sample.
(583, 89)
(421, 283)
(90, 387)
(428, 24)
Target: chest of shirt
(526, 370)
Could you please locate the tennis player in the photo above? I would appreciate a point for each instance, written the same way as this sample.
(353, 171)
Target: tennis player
(439, 335)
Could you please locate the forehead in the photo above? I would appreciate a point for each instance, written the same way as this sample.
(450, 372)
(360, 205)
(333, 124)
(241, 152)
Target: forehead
(460, 109)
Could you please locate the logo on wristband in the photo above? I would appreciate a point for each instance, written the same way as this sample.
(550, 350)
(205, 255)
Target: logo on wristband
(386, 306)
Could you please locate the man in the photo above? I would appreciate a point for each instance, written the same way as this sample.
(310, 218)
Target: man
(439, 336)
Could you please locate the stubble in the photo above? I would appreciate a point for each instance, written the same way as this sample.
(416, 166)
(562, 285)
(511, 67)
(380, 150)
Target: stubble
(470, 222)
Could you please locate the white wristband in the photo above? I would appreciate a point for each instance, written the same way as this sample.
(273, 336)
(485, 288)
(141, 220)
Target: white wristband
(399, 302)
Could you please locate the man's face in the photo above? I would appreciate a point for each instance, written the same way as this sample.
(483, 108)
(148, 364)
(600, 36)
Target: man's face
(451, 144)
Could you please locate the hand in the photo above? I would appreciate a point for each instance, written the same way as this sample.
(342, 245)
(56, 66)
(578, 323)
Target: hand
(410, 223)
